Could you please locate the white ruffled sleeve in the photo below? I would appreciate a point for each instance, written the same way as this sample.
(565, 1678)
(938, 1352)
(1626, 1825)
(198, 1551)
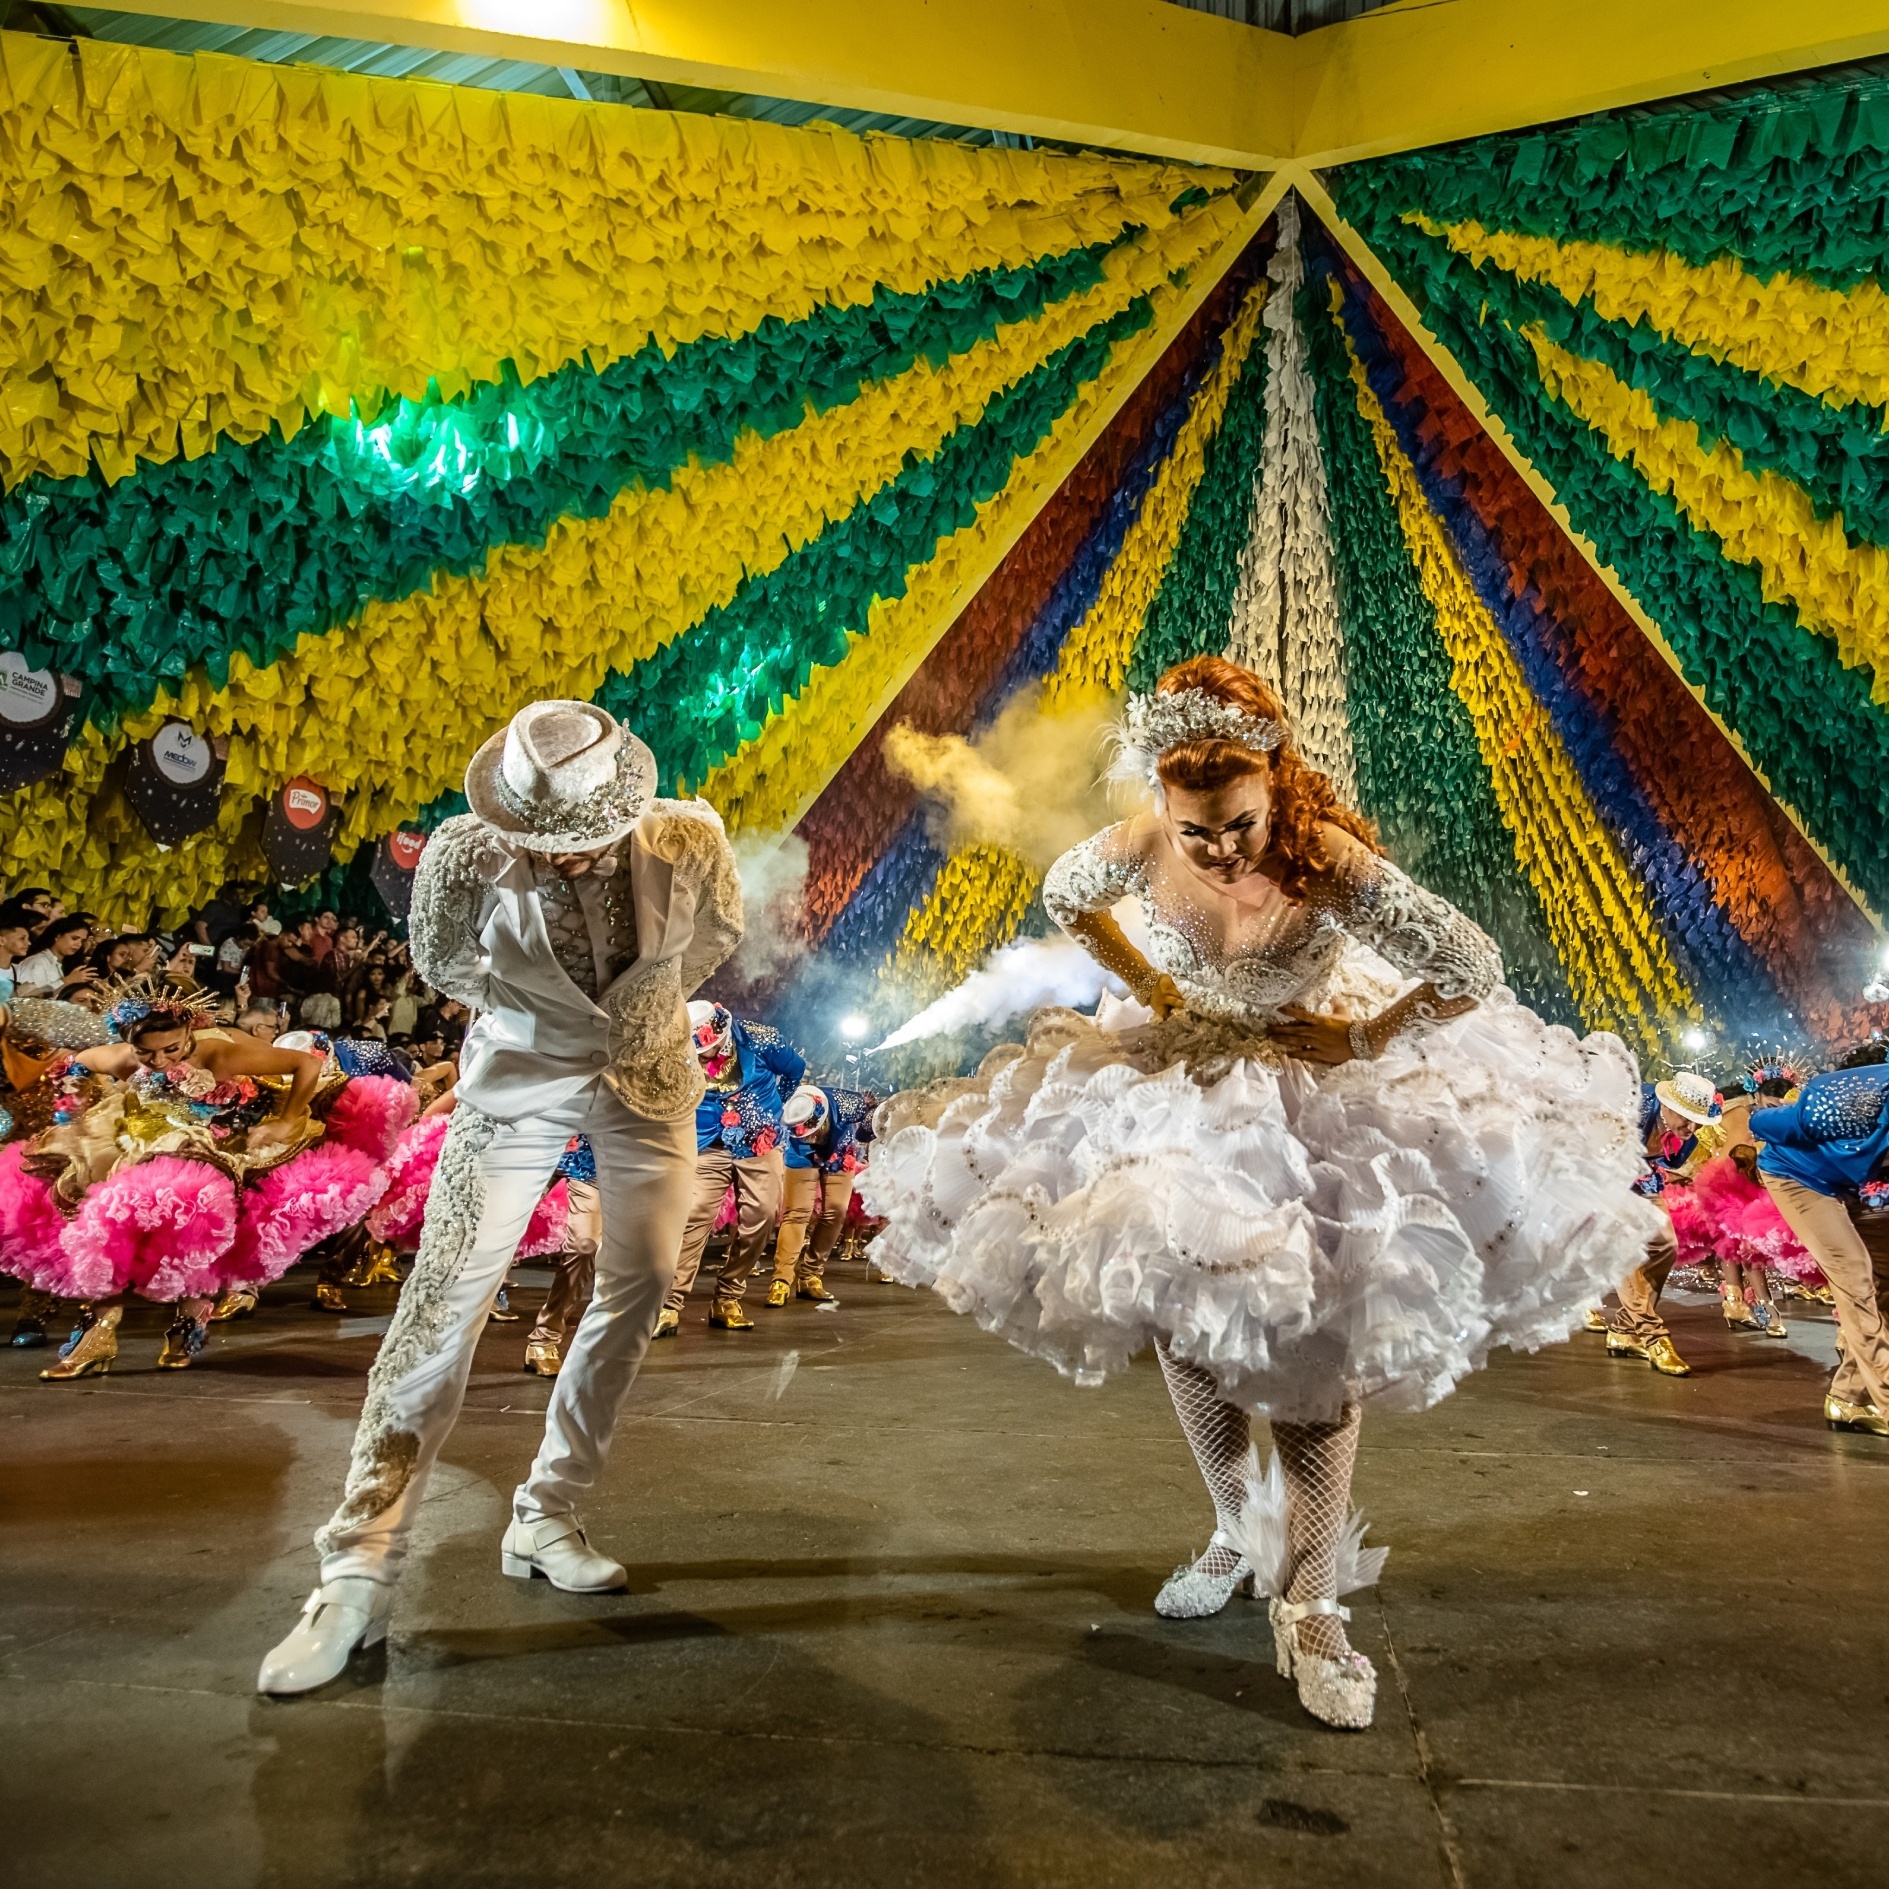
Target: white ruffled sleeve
(1092, 877)
(1421, 934)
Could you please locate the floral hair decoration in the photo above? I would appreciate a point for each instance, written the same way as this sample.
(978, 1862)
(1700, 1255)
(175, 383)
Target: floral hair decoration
(1154, 725)
(142, 999)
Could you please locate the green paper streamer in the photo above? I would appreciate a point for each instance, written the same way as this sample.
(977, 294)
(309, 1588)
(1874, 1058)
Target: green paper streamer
(1807, 720)
(1420, 771)
(1192, 609)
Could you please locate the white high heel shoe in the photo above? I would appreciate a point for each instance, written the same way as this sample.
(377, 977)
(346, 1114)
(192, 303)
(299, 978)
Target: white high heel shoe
(1341, 1693)
(337, 1617)
(1188, 1594)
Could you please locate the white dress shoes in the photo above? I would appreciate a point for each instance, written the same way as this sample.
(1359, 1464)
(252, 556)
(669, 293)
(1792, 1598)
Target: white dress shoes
(336, 1618)
(555, 1547)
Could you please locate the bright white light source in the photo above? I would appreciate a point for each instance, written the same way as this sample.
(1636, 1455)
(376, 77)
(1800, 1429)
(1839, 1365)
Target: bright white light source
(1696, 1038)
(853, 1026)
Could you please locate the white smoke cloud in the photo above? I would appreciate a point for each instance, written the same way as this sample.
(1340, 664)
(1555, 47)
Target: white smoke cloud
(1020, 978)
(773, 899)
(1032, 781)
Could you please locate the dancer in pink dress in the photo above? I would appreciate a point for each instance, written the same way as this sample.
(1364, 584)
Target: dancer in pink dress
(182, 1160)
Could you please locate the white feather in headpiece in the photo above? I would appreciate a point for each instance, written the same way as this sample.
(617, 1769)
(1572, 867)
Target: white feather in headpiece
(1153, 725)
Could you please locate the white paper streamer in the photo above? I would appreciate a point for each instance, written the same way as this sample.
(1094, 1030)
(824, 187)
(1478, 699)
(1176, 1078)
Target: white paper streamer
(1285, 612)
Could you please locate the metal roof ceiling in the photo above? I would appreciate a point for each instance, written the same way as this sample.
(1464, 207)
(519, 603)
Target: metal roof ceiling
(501, 75)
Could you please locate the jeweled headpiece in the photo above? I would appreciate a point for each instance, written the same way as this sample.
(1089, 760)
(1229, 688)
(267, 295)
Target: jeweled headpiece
(1771, 1069)
(136, 1000)
(1154, 725)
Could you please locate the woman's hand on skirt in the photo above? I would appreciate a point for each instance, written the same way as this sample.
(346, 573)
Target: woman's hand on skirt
(1165, 999)
(1312, 1038)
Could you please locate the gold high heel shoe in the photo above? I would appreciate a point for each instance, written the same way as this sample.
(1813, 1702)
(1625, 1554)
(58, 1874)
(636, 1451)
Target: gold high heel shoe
(183, 1343)
(375, 1267)
(1743, 1319)
(92, 1353)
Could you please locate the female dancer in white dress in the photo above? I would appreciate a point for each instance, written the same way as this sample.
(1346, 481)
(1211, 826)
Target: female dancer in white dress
(1310, 1184)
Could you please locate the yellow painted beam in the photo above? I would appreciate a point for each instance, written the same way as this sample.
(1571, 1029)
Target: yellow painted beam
(1431, 70)
(1138, 75)
(1133, 75)
(1467, 392)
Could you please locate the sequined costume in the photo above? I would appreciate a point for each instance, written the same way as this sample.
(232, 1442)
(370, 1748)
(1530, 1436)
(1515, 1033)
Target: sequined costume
(1306, 1238)
(150, 1185)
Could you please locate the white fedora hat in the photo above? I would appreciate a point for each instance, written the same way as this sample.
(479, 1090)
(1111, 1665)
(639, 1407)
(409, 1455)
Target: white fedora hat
(1690, 1094)
(562, 778)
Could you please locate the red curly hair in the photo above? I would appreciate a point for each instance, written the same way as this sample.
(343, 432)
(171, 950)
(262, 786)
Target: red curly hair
(1302, 797)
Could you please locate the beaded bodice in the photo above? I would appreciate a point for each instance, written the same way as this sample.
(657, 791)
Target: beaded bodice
(1285, 953)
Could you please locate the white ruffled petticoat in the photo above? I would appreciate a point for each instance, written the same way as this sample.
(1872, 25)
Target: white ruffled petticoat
(1308, 1236)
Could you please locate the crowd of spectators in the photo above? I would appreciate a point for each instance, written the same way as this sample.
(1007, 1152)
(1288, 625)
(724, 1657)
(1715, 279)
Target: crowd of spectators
(323, 970)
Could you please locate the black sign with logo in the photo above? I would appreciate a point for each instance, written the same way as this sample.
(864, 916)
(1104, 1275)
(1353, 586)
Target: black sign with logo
(298, 836)
(395, 860)
(39, 712)
(174, 781)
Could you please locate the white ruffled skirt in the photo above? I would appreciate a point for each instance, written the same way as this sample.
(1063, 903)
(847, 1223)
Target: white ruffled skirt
(1308, 1236)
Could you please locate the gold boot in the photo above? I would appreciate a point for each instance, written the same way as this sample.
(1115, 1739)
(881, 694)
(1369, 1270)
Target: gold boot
(236, 1302)
(328, 1297)
(1739, 1316)
(779, 1292)
(813, 1287)
(541, 1358)
(91, 1353)
(1619, 1345)
(727, 1315)
(667, 1320)
(1661, 1355)
(1837, 1414)
(183, 1343)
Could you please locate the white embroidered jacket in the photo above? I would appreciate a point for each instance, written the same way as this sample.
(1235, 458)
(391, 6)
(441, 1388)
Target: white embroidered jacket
(478, 934)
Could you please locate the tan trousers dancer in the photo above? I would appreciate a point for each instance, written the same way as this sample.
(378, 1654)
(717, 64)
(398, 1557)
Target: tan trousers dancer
(814, 1201)
(1855, 1259)
(573, 1272)
(1638, 1316)
(757, 1184)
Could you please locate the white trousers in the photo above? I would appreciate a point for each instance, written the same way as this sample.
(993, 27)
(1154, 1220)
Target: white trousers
(483, 1199)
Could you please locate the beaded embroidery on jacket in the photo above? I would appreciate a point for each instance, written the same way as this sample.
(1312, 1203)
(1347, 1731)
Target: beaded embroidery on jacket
(1380, 906)
(652, 1066)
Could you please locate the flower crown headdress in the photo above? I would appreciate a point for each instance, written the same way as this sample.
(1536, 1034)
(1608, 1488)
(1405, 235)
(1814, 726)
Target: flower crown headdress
(135, 1000)
(1154, 725)
(1771, 1069)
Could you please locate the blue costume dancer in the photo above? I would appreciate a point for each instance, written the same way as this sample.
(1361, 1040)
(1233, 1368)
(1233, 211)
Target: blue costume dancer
(751, 1070)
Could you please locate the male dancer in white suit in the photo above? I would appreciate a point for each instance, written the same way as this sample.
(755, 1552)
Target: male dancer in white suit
(575, 914)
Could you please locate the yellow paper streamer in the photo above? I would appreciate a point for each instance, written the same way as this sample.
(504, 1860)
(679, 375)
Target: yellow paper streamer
(1833, 343)
(448, 667)
(982, 892)
(976, 905)
(1620, 972)
(1833, 583)
(195, 247)
(1095, 656)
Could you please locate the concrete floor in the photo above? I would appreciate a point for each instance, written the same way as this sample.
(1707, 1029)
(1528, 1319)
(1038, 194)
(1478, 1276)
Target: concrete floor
(890, 1623)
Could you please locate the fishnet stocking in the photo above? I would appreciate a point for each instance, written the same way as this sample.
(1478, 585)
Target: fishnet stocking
(1219, 1435)
(1314, 1458)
